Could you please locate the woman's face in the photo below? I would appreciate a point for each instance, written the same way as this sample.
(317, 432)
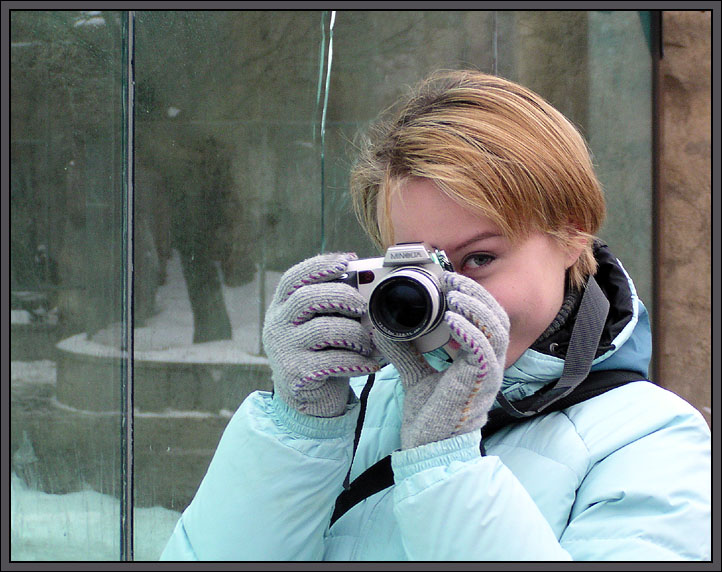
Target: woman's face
(526, 277)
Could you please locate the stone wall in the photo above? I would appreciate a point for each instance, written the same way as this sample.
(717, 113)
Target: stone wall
(683, 331)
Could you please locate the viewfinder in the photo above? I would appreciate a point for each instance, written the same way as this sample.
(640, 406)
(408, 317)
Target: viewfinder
(366, 277)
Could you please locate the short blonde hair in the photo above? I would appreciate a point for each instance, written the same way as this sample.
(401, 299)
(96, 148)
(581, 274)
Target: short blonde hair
(493, 146)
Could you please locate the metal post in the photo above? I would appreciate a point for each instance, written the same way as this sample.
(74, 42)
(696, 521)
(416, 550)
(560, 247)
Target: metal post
(126, 417)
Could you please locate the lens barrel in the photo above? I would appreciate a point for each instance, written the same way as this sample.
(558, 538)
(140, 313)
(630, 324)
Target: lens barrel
(406, 304)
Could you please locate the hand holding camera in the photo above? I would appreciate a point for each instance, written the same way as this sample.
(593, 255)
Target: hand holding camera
(334, 316)
(439, 405)
(313, 336)
(403, 294)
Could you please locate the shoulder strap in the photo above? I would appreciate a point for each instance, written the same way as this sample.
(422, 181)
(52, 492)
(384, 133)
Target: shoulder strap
(376, 478)
(380, 476)
(596, 383)
(586, 333)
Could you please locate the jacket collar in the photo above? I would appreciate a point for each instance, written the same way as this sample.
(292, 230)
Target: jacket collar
(625, 341)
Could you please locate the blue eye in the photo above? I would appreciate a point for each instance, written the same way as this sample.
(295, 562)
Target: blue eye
(475, 261)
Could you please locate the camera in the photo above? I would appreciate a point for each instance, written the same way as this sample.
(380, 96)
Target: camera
(403, 293)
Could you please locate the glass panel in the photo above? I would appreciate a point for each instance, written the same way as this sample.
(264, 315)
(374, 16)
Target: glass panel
(245, 125)
(596, 68)
(227, 196)
(620, 134)
(66, 284)
(244, 147)
(377, 56)
(242, 165)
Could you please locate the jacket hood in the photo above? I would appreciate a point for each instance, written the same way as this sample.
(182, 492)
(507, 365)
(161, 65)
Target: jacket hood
(625, 342)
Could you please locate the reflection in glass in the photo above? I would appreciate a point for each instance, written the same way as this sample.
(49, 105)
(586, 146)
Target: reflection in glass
(246, 125)
(66, 283)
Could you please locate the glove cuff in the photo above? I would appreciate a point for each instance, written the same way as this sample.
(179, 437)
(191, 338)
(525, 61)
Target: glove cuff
(328, 399)
(311, 427)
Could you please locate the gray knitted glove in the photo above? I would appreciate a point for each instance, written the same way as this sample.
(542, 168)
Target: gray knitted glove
(439, 405)
(313, 338)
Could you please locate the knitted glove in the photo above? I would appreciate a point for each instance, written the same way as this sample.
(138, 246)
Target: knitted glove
(439, 405)
(313, 338)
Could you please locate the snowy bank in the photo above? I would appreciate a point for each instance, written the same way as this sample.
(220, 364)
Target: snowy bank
(80, 526)
(168, 335)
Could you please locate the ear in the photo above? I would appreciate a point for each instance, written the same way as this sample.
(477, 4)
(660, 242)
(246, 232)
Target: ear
(577, 241)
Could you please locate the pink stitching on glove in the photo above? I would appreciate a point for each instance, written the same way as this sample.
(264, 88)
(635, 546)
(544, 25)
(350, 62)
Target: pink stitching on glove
(334, 371)
(316, 276)
(314, 308)
(340, 342)
(479, 326)
(471, 344)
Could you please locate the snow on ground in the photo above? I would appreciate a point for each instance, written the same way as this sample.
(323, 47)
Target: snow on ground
(20, 317)
(168, 336)
(32, 381)
(80, 526)
(32, 373)
(85, 525)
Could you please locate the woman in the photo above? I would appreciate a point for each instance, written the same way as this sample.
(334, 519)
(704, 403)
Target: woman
(491, 174)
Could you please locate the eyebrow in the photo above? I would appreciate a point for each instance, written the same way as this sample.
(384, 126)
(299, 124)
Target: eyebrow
(475, 238)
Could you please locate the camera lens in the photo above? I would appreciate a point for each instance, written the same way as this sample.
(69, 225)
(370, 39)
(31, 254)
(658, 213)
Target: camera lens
(404, 307)
(401, 305)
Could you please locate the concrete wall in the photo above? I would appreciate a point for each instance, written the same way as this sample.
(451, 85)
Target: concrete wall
(683, 334)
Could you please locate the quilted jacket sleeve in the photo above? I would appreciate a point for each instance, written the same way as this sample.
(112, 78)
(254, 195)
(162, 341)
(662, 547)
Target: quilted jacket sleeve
(270, 489)
(647, 497)
(471, 507)
(643, 494)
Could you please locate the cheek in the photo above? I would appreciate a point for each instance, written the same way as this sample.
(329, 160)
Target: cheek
(513, 302)
(512, 295)
(530, 303)
(510, 298)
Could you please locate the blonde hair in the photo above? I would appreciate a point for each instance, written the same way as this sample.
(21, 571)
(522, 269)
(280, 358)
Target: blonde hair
(493, 146)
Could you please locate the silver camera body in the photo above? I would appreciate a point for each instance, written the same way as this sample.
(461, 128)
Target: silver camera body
(403, 294)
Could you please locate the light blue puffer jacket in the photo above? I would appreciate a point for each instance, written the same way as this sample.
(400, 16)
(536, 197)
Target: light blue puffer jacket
(623, 476)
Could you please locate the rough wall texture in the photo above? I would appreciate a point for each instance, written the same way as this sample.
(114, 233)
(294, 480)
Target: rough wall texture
(684, 231)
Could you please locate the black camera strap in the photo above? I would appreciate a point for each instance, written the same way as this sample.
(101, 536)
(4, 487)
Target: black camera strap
(575, 385)
(586, 333)
(380, 475)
